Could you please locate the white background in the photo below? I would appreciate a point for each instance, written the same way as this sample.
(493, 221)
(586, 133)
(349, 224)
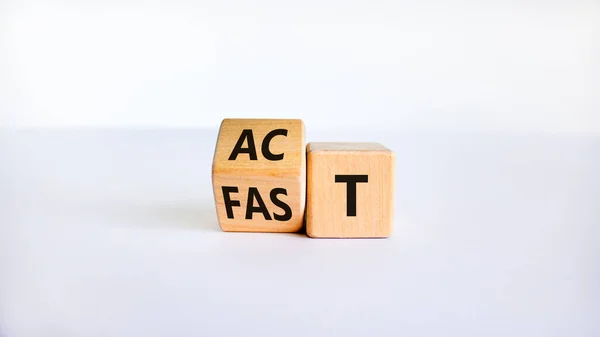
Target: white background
(114, 233)
(453, 65)
(492, 110)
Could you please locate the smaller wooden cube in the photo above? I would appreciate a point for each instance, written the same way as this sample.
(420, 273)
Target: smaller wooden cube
(350, 190)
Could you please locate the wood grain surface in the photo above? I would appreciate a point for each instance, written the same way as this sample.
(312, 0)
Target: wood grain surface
(328, 205)
(246, 173)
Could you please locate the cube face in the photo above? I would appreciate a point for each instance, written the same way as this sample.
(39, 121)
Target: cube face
(259, 175)
(350, 190)
(285, 136)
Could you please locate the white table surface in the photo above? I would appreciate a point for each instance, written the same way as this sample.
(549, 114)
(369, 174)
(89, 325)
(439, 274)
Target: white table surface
(114, 233)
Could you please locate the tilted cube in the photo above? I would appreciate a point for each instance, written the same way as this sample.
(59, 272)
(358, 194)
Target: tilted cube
(350, 190)
(259, 175)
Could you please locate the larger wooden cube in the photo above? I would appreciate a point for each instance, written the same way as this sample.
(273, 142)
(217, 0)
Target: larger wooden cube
(350, 190)
(259, 175)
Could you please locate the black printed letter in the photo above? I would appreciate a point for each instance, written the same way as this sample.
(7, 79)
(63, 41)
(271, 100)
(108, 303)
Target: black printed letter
(265, 144)
(228, 202)
(285, 207)
(250, 150)
(262, 208)
(351, 181)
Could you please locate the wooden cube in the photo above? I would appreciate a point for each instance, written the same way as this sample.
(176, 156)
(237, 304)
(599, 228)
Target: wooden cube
(259, 175)
(350, 190)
